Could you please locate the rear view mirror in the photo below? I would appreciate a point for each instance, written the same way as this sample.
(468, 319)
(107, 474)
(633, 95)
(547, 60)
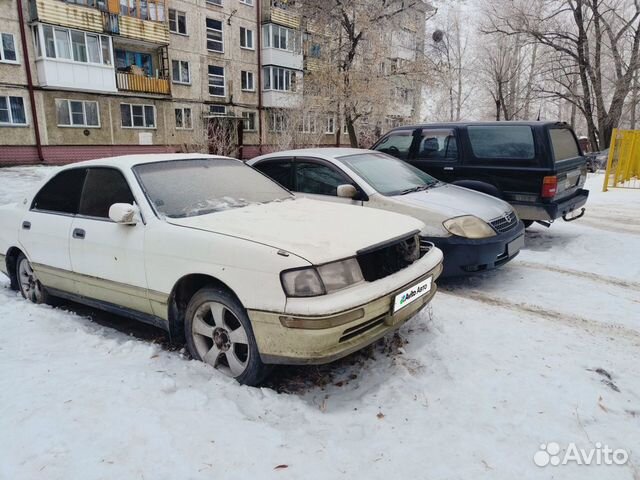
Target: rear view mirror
(123, 213)
(347, 191)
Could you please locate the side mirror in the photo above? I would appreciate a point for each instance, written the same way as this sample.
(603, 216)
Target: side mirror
(123, 213)
(347, 191)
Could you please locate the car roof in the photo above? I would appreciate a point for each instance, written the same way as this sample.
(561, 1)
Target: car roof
(322, 152)
(483, 124)
(129, 161)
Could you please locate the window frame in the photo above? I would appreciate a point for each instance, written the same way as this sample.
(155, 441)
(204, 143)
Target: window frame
(249, 3)
(215, 75)
(11, 122)
(212, 30)
(215, 3)
(414, 149)
(41, 44)
(245, 118)
(33, 208)
(290, 37)
(84, 184)
(271, 78)
(324, 163)
(84, 113)
(331, 121)
(143, 105)
(15, 49)
(248, 34)
(181, 63)
(183, 110)
(178, 13)
(244, 81)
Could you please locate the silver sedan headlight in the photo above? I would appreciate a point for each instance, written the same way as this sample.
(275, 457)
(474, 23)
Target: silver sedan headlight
(314, 281)
(469, 226)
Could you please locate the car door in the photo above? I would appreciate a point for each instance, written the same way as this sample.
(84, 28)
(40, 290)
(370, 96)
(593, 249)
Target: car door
(319, 179)
(437, 153)
(46, 229)
(108, 258)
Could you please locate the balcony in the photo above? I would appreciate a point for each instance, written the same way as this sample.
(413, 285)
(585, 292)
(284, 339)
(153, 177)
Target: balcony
(282, 58)
(283, 13)
(56, 12)
(131, 82)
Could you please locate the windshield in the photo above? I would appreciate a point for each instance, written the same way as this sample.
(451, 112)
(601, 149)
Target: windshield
(387, 174)
(186, 188)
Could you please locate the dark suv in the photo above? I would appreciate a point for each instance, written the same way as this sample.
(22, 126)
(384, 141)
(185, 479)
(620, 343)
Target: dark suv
(536, 166)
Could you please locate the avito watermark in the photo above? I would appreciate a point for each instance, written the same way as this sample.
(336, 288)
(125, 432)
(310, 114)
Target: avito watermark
(551, 454)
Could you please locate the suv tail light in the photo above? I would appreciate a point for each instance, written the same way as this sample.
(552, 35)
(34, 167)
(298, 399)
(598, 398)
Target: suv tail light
(549, 186)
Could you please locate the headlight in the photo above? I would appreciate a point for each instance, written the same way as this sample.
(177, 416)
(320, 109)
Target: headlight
(314, 281)
(469, 226)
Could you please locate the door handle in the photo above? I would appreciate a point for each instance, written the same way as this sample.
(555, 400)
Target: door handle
(26, 225)
(78, 233)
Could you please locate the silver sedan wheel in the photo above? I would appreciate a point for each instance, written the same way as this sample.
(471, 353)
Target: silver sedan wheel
(29, 283)
(220, 339)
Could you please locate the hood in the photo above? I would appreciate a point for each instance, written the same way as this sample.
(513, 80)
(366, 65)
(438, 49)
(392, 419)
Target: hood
(317, 231)
(453, 201)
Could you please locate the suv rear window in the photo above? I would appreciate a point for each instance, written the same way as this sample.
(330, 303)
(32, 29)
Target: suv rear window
(564, 144)
(502, 141)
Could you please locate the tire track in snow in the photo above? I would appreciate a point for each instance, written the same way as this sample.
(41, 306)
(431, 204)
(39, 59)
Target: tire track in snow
(618, 282)
(591, 326)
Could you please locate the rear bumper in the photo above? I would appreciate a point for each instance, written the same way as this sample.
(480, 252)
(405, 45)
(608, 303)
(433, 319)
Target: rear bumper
(551, 211)
(334, 336)
(464, 256)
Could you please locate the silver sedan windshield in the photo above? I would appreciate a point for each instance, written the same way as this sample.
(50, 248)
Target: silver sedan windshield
(387, 174)
(186, 188)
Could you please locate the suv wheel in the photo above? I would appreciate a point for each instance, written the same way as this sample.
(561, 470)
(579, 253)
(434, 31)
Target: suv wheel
(218, 332)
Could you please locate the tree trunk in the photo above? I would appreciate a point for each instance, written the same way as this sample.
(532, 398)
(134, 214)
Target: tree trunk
(353, 139)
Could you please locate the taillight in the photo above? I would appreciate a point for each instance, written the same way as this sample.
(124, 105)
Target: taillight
(549, 186)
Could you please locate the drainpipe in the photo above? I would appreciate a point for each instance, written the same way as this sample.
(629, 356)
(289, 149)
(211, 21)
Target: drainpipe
(259, 48)
(27, 65)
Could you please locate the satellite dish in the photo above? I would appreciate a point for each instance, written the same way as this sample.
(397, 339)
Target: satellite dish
(437, 36)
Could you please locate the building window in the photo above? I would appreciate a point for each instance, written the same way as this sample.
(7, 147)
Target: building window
(309, 124)
(282, 38)
(77, 113)
(138, 116)
(331, 124)
(215, 42)
(180, 72)
(183, 118)
(8, 48)
(217, 110)
(247, 2)
(345, 129)
(216, 81)
(249, 120)
(215, 2)
(246, 80)
(246, 38)
(278, 122)
(74, 45)
(126, 59)
(277, 78)
(145, 10)
(12, 111)
(177, 22)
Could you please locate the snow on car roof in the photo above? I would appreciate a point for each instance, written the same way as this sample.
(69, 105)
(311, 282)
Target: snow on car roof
(129, 161)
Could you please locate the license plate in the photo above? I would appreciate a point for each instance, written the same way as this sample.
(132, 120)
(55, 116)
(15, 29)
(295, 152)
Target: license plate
(411, 294)
(514, 246)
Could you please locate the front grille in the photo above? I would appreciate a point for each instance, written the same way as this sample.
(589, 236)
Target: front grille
(505, 223)
(386, 260)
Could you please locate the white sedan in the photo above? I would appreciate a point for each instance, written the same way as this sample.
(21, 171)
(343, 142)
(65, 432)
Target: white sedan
(475, 231)
(219, 255)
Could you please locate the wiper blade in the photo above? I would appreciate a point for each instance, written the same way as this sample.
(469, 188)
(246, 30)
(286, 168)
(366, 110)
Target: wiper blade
(415, 189)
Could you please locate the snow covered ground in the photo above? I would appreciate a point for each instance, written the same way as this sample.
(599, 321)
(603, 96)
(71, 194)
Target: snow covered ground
(543, 350)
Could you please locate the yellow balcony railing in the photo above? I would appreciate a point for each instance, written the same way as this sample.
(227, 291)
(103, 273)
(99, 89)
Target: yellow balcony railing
(141, 83)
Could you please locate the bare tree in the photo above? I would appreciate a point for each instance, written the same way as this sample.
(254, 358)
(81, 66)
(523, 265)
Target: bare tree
(598, 40)
(354, 62)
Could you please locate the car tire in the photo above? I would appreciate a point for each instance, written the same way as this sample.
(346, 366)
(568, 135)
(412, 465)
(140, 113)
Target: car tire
(218, 332)
(28, 284)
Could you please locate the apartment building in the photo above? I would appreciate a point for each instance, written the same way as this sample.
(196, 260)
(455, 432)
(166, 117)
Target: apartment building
(81, 79)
